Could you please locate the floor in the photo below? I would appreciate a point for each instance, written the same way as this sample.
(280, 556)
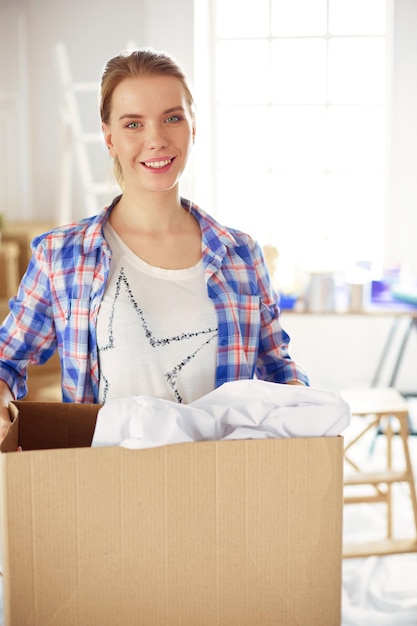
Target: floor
(380, 590)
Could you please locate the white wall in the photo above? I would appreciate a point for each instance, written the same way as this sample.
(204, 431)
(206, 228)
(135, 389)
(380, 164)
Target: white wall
(343, 351)
(337, 352)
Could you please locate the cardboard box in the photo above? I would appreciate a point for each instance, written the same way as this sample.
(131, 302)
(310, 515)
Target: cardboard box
(198, 534)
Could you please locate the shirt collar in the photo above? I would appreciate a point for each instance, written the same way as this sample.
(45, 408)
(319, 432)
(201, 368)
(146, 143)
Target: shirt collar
(215, 237)
(94, 237)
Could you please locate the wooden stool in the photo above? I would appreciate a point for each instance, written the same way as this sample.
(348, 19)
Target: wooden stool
(381, 404)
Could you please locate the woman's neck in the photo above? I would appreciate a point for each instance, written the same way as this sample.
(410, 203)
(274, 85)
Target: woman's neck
(161, 232)
(153, 212)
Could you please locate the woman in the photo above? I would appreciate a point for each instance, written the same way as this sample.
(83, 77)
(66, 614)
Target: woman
(152, 296)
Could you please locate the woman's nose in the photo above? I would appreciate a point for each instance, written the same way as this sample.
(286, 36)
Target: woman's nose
(155, 138)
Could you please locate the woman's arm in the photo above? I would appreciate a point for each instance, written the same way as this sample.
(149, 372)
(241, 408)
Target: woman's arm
(27, 334)
(274, 361)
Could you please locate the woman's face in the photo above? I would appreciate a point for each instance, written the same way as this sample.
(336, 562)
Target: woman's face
(151, 131)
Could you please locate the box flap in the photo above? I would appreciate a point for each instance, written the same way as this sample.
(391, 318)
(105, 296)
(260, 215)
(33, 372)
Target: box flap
(46, 425)
(10, 442)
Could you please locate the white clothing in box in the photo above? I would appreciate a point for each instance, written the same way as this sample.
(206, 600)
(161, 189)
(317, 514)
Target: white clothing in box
(245, 409)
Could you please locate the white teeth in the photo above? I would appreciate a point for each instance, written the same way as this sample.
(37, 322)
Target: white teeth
(158, 164)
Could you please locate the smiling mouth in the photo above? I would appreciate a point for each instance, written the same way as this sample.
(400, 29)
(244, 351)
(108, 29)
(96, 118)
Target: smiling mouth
(156, 165)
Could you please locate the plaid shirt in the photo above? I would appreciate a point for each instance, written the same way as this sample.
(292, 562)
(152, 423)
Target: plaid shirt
(59, 297)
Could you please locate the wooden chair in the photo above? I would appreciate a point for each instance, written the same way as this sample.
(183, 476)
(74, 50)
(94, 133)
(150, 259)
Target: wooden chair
(385, 408)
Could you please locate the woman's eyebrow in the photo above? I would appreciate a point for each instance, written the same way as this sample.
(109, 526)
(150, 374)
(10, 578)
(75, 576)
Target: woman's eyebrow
(173, 109)
(139, 116)
(130, 116)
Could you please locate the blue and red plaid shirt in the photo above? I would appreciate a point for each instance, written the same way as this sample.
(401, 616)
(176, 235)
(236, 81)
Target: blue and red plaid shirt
(59, 297)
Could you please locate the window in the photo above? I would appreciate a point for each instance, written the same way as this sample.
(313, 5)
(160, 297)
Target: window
(299, 127)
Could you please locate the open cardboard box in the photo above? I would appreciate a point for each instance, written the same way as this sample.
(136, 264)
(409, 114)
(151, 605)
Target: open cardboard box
(197, 534)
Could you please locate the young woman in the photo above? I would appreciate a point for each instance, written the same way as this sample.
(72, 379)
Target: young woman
(151, 296)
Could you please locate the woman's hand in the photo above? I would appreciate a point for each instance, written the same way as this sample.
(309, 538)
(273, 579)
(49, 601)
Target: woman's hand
(6, 396)
(4, 422)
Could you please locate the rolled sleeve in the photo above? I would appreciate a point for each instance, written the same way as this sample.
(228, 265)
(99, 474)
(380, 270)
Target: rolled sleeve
(27, 334)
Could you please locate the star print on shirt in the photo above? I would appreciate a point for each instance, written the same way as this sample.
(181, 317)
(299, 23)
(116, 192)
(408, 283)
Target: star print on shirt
(207, 335)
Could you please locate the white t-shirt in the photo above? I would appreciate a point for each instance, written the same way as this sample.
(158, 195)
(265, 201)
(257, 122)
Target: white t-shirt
(156, 330)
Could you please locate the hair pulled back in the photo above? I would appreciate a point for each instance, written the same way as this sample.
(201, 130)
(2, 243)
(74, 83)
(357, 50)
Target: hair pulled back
(143, 62)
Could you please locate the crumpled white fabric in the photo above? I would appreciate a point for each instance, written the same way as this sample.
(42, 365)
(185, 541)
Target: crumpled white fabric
(380, 590)
(245, 409)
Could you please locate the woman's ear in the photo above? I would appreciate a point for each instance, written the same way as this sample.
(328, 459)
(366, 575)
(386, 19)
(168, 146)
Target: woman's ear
(107, 137)
(194, 129)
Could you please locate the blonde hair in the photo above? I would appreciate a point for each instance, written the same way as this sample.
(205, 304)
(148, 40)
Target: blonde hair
(142, 62)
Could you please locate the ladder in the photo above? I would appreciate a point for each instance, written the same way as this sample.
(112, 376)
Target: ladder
(75, 143)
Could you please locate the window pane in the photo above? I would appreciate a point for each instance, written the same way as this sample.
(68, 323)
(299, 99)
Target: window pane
(356, 138)
(242, 72)
(242, 18)
(243, 134)
(245, 203)
(300, 204)
(328, 220)
(299, 71)
(357, 17)
(357, 70)
(299, 200)
(356, 213)
(298, 138)
(298, 17)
